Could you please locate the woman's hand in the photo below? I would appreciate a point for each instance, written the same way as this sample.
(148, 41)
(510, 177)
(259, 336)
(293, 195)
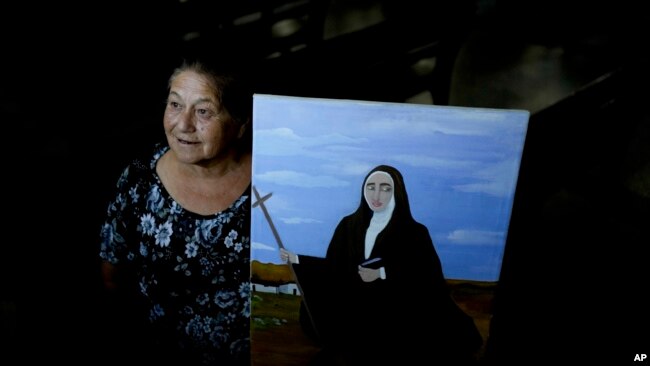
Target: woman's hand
(368, 274)
(287, 256)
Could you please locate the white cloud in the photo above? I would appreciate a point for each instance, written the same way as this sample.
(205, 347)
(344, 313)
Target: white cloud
(494, 179)
(431, 162)
(348, 168)
(285, 142)
(475, 237)
(299, 220)
(260, 246)
(476, 122)
(299, 179)
(490, 188)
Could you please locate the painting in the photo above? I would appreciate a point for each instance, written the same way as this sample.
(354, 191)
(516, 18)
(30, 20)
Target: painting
(310, 158)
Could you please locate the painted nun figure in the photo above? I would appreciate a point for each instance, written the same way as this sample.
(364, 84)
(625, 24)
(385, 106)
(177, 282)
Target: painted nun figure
(380, 291)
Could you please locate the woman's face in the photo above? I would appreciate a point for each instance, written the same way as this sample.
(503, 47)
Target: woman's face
(197, 128)
(378, 190)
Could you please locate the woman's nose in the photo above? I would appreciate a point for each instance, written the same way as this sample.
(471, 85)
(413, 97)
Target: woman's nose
(186, 120)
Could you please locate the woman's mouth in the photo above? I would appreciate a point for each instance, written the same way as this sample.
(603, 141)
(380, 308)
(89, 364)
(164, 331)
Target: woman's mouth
(185, 142)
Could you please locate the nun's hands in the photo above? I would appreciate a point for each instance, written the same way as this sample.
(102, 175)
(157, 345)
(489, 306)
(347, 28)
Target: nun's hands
(287, 256)
(368, 274)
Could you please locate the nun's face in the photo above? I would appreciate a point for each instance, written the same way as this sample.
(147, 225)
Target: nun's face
(378, 190)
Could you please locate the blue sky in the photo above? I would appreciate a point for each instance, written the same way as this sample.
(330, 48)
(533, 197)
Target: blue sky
(459, 164)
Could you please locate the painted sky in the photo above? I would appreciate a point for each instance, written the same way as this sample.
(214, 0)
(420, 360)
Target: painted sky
(459, 164)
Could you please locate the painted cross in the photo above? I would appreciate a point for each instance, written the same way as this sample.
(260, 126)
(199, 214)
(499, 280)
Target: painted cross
(259, 201)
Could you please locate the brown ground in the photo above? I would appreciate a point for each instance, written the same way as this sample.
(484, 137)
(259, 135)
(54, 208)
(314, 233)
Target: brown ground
(277, 338)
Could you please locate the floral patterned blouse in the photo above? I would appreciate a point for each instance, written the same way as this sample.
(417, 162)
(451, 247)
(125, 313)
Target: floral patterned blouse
(193, 271)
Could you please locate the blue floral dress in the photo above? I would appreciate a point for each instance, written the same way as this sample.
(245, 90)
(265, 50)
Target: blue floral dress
(192, 271)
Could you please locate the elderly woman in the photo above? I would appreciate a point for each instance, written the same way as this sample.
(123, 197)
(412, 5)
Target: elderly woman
(176, 238)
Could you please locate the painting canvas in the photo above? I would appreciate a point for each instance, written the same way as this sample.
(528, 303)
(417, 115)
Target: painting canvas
(310, 157)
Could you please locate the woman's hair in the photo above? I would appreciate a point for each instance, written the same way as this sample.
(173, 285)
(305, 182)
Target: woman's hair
(234, 92)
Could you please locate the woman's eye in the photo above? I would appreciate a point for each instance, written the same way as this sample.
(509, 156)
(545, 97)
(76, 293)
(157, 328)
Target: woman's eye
(203, 112)
(370, 188)
(386, 189)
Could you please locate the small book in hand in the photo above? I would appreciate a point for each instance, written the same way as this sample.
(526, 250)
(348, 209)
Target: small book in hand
(373, 263)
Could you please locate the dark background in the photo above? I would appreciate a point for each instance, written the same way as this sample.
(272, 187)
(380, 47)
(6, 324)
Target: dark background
(84, 85)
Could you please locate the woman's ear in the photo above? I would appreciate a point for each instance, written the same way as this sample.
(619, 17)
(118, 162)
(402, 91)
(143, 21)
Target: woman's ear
(243, 128)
